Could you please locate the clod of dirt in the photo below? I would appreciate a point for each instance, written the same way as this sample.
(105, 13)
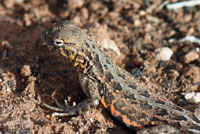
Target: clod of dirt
(190, 56)
(7, 83)
(193, 72)
(25, 71)
(173, 74)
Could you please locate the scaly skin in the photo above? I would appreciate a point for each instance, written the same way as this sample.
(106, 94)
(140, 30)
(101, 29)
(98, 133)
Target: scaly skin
(119, 92)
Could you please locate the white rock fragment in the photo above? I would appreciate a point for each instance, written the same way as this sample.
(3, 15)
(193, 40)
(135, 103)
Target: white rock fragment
(163, 54)
(8, 89)
(191, 38)
(91, 119)
(188, 3)
(192, 97)
(110, 44)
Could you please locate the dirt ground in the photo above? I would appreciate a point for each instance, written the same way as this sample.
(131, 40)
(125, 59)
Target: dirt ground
(130, 32)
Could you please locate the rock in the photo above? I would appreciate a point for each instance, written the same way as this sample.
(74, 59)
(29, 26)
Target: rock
(84, 13)
(190, 56)
(110, 44)
(192, 97)
(25, 71)
(193, 72)
(173, 74)
(163, 54)
(73, 4)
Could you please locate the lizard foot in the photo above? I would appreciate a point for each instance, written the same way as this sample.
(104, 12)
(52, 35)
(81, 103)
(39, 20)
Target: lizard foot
(68, 110)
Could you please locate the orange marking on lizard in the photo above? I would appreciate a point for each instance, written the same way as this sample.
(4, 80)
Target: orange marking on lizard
(103, 102)
(142, 119)
(159, 117)
(81, 54)
(80, 60)
(72, 56)
(131, 105)
(76, 63)
(153, 123)
(83, 66)
(62, 52)
(124, 118)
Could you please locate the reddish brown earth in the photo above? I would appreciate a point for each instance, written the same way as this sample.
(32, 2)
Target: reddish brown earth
(127, 31)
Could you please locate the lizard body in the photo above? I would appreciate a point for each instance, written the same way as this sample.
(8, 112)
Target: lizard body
(122, 94)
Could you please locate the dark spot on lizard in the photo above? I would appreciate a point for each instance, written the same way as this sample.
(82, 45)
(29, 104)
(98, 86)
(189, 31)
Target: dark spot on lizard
(99, 66)
(108, 61)
(97, 59)
(129, 96)
(180, 118)
(134, 128)
(87, 45)
(195, 118)
(109, 98)
(88, 54)
(122, 76)
(142, 116)
(179, 109)
(177, 124)
(162, 112)
(133, 86)
(93, 46)
(109, 76)
(117, 85)
(160, 102)
(195, 127)
(145, 94)
(155, 119)
(145, 104)
(105, 66)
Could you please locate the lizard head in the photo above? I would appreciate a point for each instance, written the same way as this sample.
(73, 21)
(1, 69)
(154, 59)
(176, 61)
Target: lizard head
(66, 38)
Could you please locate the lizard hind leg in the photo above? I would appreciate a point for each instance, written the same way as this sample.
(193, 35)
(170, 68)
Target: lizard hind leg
(90, 89)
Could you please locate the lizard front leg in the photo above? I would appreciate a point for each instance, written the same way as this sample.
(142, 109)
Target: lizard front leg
(89, 87)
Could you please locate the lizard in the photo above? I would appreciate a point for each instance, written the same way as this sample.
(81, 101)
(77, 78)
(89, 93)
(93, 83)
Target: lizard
(120, 92)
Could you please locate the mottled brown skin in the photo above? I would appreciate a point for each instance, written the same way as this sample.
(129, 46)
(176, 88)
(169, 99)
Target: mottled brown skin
(119, 92)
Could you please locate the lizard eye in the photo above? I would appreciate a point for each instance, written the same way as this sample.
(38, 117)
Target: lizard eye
(58, 42)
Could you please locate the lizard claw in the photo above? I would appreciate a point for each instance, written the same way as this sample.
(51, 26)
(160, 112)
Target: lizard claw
(59, 105)
(66, 103)
(67, 111)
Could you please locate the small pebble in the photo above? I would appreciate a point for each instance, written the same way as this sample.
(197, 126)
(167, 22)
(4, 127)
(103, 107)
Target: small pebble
(193, 72)
(25, 71)
(197, 111)
(137, 23)
(192, 97)
(73, 4)
(8, 89)
(190, 56)
(84, 13)
(163, 54)
(110, 44)
(91, 119)
(173, 74)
